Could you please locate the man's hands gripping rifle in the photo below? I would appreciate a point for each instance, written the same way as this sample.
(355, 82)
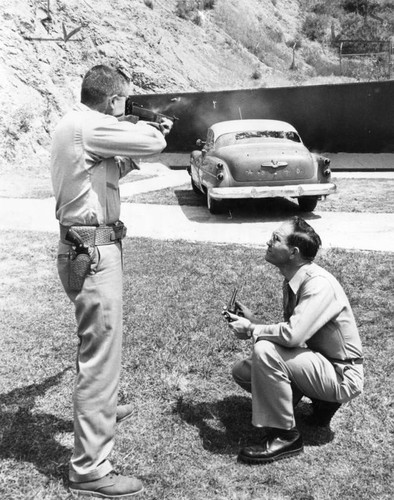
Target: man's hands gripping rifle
(134, 113)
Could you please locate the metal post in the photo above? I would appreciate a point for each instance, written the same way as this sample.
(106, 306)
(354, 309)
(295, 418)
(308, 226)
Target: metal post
(340, 57)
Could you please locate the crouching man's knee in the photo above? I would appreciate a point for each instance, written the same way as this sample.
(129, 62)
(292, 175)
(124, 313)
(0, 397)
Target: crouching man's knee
(241, 373)
(264, 351)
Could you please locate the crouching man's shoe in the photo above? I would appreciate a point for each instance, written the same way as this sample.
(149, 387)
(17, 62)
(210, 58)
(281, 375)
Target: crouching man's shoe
(323, 411)
(275, 446)
(113, 485)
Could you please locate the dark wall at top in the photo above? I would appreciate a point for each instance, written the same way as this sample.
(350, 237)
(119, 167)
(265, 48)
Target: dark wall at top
(354, 118)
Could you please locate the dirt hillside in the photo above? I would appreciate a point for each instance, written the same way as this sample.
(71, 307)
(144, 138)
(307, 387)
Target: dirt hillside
(47, 45)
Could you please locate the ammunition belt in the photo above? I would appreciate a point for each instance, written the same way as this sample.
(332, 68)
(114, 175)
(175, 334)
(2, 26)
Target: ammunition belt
(96, 235)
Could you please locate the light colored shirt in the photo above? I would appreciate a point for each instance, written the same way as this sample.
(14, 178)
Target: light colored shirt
(319, 316)
(85, 174)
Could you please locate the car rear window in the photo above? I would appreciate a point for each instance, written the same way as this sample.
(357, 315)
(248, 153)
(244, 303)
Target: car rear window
(255, 136)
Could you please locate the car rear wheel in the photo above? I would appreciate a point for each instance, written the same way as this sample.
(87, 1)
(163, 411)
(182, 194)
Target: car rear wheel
(214, 206)
(307, 203)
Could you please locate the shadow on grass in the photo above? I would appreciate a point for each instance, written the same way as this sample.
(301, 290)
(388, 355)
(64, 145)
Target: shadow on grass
(225, 425)
(189, 197)
(30, 437)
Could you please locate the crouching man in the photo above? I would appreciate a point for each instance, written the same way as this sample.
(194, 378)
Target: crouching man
(316, 351)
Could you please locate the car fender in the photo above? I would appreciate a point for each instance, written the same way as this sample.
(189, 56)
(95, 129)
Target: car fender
(323, 168)
(195, 167)
(209, 171)
(315, 162)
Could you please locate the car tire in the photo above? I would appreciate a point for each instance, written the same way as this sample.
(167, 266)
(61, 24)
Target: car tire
(307, 203)
(214, 206)
(195, 188)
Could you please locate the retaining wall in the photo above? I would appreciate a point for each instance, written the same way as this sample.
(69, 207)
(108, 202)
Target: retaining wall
(351, 118)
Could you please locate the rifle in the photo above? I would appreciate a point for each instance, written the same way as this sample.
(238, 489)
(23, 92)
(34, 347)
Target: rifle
(131, 108)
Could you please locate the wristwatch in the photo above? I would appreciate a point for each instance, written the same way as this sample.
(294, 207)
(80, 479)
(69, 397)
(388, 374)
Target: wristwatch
(250, 331)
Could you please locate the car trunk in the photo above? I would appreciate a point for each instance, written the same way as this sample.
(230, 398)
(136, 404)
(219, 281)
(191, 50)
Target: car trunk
(269, 162)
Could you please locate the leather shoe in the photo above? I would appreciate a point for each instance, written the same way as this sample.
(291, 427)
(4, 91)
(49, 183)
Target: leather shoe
(124, 412)
(323, 411)
(273, 447)
(113, 485)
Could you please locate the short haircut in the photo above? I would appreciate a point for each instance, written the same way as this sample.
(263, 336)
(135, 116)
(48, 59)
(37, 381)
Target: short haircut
(304, 238)
(101, 82)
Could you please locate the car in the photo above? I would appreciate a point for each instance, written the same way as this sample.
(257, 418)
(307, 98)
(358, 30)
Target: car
(258, 158)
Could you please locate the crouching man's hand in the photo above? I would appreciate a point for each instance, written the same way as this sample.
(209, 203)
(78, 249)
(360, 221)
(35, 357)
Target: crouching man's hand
(242, 310)
(242, 327)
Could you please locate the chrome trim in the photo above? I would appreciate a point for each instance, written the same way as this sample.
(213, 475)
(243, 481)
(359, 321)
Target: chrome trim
(274, 164)
(225, 193)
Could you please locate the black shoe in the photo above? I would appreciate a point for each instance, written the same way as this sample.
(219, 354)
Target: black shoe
(323, 411)
(273, 447)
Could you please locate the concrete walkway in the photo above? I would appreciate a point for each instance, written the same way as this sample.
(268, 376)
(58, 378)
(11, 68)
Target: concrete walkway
(340, 230)
(164, 178)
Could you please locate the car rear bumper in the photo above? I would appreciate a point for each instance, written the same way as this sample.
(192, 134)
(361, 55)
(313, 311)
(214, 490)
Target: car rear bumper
(228, 193)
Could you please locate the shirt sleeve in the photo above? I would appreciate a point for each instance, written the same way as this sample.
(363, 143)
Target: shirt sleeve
(316, 306)
(110, 137)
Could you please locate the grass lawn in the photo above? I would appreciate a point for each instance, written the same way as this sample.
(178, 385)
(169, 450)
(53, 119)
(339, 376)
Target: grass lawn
(352, 196)
(190, 418)
(33, 184)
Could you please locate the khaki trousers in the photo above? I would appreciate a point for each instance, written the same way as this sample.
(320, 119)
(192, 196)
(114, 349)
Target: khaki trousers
(276, 375)
(98, 311)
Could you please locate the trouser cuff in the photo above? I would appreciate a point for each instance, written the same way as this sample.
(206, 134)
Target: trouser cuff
(101, 471)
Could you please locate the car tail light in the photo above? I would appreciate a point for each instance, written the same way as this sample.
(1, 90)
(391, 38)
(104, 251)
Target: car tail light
(219, 169)
(327, 172)
(327, 161)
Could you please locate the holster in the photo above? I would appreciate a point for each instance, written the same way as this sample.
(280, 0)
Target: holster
(84, 239)
(80, 264)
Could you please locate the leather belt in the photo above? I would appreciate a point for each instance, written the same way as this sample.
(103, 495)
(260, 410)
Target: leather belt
(349, 361)
(96, 235)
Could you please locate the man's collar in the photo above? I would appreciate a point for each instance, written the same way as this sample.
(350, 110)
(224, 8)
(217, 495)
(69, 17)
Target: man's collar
(298, 278)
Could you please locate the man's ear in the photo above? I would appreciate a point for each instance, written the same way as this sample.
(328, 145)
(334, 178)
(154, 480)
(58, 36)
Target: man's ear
(295, 253)
(110, 105)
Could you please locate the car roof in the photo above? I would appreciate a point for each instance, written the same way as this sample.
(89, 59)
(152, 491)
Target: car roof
(245, 125)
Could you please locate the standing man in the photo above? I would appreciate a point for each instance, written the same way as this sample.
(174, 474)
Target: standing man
(316, 351)
(92, 149)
